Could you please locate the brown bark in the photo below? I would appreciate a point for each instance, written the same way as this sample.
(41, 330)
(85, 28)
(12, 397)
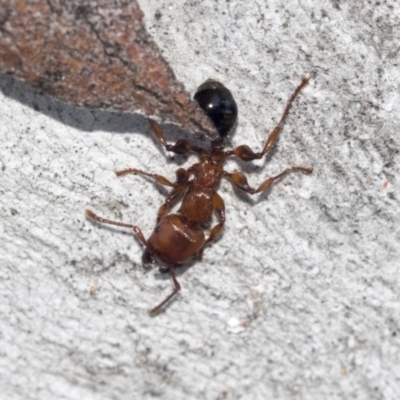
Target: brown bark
(94, 54)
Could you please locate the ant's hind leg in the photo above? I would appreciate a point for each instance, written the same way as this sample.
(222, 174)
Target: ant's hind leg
(273, 136)
(182, 146)
(177, 288)
(240, 180)
(246, 154)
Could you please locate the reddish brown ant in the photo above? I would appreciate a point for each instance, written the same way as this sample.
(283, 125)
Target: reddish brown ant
(179, 237)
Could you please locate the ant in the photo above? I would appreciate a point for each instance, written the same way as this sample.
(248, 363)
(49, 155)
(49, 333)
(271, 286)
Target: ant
(179, 237)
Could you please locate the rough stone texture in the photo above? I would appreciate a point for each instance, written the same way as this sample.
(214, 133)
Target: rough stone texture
(300, 299)
(94, 54)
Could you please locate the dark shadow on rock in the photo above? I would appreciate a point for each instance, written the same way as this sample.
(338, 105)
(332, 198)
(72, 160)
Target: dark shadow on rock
(84, 119)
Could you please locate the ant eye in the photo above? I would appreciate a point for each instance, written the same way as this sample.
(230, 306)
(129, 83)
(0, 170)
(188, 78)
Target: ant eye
(218, 103)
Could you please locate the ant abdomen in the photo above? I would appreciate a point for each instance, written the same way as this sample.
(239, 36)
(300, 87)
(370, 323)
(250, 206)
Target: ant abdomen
(219, 105)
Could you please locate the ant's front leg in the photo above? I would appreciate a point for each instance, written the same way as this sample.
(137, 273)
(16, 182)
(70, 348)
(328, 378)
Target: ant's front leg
(177, 287)
(90, 214)
(219, 209)
(240, 180)
(246, 154)
(182, 146)
(180, 185)
(159, 178)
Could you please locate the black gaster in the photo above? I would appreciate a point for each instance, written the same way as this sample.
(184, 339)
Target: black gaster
(220, 106)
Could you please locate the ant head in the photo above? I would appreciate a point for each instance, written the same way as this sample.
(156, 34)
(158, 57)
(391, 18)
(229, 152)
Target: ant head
(220, 106)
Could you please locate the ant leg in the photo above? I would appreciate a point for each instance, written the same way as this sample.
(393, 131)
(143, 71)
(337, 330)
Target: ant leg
(240, 180)
(90, 214)
(219, 208)
(182, 146)
(180, 186)
(246, 154)
(171, 200)
(159, 178)
(177, 288)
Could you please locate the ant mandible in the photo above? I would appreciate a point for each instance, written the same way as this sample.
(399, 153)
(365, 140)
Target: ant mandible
(179, 237)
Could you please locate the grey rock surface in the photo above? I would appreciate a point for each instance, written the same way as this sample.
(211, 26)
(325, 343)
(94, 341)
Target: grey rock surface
(299, 299)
